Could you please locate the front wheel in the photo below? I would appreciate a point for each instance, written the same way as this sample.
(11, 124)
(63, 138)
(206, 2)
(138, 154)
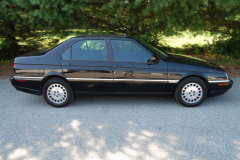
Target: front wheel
(57, 92)
(191, 92)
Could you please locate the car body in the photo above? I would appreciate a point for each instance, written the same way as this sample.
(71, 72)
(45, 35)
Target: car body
(116, 65)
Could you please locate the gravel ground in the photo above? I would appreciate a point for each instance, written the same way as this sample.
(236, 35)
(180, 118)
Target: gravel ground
(118, 127)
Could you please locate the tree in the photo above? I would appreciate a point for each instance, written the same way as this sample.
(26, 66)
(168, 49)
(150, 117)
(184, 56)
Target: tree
(148, 19)
(26, 20)
(223, 17)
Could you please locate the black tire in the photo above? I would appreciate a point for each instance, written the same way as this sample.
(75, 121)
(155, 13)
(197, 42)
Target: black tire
(57, 92)
(191, 92)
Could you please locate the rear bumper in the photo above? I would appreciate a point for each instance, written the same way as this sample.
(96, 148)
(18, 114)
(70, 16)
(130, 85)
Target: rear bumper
(220, 88)
(28, 86)
(28, 90)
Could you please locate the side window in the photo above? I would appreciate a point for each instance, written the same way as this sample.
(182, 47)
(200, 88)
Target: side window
(84, 46)
(89, 50)
(66, 54)
(128, 51)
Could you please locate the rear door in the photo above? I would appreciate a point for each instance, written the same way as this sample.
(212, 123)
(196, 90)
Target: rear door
(86, 65)
(131, 70)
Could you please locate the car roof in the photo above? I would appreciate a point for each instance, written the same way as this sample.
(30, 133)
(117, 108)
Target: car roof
(106, 35)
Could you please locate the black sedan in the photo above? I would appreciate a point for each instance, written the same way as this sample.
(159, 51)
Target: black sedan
(116, 65)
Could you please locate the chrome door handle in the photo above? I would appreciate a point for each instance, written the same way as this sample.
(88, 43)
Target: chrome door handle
(127, 73)
(130, 73)
(66, 64)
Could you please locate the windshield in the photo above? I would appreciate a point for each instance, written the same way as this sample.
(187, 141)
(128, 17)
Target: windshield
(154, 50)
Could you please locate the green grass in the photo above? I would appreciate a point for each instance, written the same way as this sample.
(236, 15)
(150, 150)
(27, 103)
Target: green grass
(218, 59)
(49, 37)
(197, 46)
(180, 41)
(188, 38)
(6, 61)
(185, 38)
(186, 43)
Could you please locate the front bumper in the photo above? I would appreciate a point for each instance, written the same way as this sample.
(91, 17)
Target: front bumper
(219, 88)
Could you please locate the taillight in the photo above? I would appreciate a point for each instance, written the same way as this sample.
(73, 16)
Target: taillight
(14, 65)
(18, 80)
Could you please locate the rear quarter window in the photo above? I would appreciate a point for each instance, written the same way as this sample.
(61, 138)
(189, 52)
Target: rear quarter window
(66, 55)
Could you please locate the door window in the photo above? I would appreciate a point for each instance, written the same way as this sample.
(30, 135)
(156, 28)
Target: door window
(89, 50)
(128, 51)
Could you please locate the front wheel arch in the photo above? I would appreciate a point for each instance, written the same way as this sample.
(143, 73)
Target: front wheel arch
(198, 76)
(191, 92)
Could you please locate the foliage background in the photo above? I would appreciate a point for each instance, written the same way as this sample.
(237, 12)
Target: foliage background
(25, 25)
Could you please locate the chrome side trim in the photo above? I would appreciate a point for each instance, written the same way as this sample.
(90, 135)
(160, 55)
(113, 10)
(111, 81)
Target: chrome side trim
(136, 80)
(21, 77)
(219, 81)
(173, 81)
(101, 79)
(89, 79)
(148, 80)
(141, 80)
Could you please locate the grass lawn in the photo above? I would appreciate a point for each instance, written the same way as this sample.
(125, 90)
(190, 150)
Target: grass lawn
(185, 38)
(189, 44)
(177, 44)
(188, 38)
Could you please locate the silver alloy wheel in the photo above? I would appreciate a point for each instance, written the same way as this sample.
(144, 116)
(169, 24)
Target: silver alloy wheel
(57, 93)
(192, 93)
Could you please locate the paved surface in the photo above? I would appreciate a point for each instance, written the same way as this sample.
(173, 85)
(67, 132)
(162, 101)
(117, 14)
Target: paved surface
(118, 127)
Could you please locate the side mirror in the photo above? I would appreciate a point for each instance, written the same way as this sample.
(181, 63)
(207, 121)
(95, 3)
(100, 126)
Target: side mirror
(153, 60)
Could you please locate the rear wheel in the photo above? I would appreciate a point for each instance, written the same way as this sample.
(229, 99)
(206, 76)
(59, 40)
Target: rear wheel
(57, 92)
(191, 92)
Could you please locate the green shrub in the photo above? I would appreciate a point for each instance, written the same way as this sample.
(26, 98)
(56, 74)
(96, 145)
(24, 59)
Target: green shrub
(227, 45)
(195, 48)
(8, 49)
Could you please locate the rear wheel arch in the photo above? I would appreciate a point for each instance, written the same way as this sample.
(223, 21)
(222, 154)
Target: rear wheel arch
(57, 92)
(45, 79)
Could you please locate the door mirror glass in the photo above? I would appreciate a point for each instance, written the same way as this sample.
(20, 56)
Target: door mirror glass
(153, 60)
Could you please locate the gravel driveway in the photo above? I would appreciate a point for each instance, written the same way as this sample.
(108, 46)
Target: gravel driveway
(118, 127)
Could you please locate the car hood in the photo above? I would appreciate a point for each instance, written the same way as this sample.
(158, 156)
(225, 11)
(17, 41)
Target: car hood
(183, 59)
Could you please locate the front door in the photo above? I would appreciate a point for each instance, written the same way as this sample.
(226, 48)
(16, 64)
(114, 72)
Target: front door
(132, 71)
